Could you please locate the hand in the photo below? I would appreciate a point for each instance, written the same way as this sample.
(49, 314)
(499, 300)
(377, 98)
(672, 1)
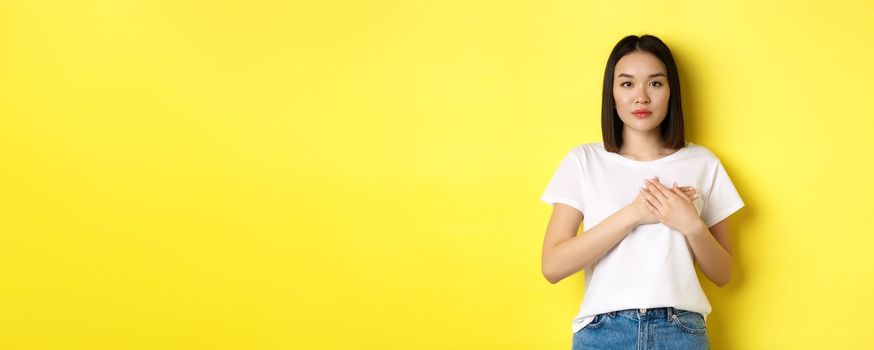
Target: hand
(671, 206)
(647, 216)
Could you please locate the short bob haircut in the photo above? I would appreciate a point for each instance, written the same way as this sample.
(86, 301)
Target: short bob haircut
(672, 130)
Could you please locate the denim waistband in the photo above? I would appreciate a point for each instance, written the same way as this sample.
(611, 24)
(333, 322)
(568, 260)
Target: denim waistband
(642, 314)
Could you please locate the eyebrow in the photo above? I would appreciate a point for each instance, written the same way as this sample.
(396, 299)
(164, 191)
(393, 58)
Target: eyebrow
(651, 75)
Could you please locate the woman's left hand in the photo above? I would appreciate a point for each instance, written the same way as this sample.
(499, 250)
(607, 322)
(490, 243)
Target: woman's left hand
(673, 207)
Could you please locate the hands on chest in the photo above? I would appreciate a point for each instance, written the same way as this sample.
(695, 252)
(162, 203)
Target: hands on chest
(672, 206)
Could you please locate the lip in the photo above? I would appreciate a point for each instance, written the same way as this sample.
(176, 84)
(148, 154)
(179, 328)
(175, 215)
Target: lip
(642, 113)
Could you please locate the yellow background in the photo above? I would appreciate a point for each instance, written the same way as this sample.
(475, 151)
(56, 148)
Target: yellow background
(366, 175)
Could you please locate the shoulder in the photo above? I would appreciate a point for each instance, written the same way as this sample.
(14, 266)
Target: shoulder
(582, 153)
(701, 152)
(586, 149)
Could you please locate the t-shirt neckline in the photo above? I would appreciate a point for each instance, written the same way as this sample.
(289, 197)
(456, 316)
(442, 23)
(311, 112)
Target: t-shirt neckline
(633, 162)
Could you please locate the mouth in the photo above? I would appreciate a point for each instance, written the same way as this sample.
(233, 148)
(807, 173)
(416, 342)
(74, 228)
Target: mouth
(642, 114)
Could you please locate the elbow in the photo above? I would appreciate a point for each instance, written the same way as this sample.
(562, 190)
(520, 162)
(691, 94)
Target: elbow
(552, 279)
(723, 282)
(727, 278)
(549, 275)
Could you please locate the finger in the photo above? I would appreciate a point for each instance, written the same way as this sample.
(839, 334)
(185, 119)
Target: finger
(651, 208)
(676, 188)
(654, 185)
(653, 200)
(664, 189)
(691, 196)
(682, 195)
(656, 194)
(689, 189)
(690, 193)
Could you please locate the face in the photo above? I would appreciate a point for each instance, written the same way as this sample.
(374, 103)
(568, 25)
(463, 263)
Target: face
(640, 82)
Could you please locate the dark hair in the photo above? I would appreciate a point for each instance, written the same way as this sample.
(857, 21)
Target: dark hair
(672, 130)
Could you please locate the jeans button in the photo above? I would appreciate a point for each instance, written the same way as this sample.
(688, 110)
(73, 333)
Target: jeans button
(643, 310)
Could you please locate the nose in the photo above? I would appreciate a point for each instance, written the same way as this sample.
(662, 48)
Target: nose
(642, 98)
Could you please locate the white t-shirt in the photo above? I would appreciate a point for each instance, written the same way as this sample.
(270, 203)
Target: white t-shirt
(653, 266)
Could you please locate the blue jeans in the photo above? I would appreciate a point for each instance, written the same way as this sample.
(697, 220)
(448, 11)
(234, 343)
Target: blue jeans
(658, 328)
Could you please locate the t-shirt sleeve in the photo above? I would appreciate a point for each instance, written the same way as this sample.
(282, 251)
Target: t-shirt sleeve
(723, 199)
(566, 184)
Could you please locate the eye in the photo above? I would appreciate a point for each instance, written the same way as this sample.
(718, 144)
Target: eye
(624, 82)
(658, 83)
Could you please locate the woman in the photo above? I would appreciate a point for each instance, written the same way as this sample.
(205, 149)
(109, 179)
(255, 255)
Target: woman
(653, 205)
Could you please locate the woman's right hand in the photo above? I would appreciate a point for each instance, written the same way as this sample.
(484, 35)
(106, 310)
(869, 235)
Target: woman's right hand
(645, 215)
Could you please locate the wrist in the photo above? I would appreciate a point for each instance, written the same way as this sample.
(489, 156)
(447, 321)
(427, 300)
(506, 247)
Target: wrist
(697, 230)
(633, 216)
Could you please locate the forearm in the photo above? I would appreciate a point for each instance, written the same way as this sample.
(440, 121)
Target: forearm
(715, 261)
(572, 255)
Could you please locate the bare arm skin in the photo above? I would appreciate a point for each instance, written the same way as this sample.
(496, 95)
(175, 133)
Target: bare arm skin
(712, 249)
(565, 253)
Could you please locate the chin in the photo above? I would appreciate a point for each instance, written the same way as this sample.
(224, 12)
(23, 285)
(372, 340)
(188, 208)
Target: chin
(643, 126)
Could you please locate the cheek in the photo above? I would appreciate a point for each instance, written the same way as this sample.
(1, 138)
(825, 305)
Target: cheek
(620, 98)
(666, 96)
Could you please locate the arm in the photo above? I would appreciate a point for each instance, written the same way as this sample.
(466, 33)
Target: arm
(565, 253)
(712, 249)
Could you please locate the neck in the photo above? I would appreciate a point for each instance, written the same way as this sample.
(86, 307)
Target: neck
(643, 146)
